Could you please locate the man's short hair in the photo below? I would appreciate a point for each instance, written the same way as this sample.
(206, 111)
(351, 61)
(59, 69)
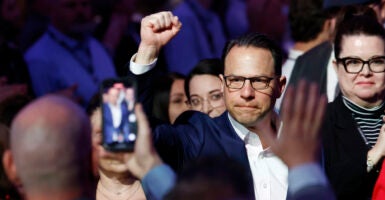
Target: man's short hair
(306, 19)
(257, 40)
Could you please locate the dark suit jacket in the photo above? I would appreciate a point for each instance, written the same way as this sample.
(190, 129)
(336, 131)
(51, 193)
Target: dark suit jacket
(345, 154)
(312, 66)
(196, 135)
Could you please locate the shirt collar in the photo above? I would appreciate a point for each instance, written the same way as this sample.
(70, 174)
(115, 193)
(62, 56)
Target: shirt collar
(247, 136)
(239, 128)
(250, 138)
(294, 54)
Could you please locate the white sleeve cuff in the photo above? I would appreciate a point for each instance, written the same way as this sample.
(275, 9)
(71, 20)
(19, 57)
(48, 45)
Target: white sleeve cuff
(139, 69)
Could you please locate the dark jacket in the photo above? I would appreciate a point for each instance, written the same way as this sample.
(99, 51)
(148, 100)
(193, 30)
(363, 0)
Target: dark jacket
(345, 154)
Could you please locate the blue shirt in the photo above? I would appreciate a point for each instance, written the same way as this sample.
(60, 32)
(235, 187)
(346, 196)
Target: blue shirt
(200, 37)
(57, 62)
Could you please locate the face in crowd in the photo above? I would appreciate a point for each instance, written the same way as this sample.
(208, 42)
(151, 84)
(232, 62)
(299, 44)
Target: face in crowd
(206, 95)
(177, 100)
(251, 81)
(360, 58)
(360, 69)
(72, 17)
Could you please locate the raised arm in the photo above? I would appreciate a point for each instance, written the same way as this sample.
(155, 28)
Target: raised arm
(156, 31)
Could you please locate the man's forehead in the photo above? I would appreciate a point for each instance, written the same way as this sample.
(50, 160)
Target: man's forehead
(249, 60)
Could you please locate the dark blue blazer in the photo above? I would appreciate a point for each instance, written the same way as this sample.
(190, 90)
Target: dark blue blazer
(195, 135)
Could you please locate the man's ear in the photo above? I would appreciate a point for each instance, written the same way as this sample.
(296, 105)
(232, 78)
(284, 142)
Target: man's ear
(222, 83)
(10, 169)
(281, 85)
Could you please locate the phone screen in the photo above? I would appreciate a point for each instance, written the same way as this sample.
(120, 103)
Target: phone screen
(119, 120)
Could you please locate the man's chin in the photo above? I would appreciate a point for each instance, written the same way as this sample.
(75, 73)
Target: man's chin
(247, 120)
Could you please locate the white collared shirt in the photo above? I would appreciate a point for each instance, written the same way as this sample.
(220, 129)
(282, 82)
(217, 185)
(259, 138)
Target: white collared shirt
(116, 112)
(270, 174)
(331, 80)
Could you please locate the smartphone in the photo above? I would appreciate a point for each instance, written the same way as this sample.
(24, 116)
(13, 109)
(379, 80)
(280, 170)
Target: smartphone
(119, 122)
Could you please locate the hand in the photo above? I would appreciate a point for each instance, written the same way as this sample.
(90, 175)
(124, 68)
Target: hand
(156, 31)
(378, 150)
(145, 156)
(108, 162)
(139, 162)
(302, 115)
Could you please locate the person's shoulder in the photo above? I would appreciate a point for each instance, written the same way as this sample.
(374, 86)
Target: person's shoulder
(38, 49)
(191, 116)
(323, 49)
(337, 103)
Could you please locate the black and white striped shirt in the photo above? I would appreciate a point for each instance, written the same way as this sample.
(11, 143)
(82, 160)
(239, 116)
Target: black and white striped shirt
(369, 121)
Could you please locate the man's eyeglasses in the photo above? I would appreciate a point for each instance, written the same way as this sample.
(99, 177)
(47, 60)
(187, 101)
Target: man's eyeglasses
(215, 99)
(355, 65)
(258, 82)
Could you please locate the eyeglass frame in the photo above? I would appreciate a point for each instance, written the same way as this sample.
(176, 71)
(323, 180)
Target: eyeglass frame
(267, 82)
(342, 61)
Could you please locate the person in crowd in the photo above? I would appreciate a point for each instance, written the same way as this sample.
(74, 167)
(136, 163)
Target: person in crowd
(233, 16)
(200, 23)
(67, 59)
(203, 87)
(115, 180)
(322, 71)
(50, 155)
(297, 146)
(353, 144)
(9, 107)
(7, 189)
(13, 67)
(309, 26)
(260, 16)
(251, 82)
(36, 22)
(169, 98)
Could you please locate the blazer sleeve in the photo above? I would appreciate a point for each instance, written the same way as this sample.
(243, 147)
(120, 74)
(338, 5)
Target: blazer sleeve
(158, 182)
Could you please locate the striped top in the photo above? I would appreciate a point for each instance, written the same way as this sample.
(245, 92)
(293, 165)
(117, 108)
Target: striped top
(369, 121)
